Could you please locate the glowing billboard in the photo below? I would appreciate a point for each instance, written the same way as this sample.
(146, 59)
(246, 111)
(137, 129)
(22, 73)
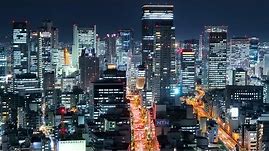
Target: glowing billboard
(72, 145)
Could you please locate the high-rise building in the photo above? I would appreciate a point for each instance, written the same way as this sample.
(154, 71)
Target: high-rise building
(101, 47)
(216, 47)
(110, 41)
(134, 62)
(253, 51)
(187, 70)
(263, 49)
(83, 38)
(26, 83)
(158, 51)
(124, 46)
(111, 115)
(238, 54)
(48, 39)
(88, 68)
(201, 47)
(192, 44)
(266, 65)
(237, 77)
(263, 133)
(23, 80)
(3, 65)
(34, 52)
(20, 48)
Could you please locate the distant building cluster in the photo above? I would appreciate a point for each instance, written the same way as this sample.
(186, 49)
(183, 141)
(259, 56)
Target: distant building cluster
(210, 93)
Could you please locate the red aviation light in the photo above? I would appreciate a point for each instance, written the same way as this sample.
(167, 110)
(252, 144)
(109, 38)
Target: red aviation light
(179, 51)
(62, 110)
(63, 131)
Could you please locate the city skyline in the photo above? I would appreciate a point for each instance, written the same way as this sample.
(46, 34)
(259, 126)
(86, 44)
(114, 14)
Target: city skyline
(190, 16)
(120, 87)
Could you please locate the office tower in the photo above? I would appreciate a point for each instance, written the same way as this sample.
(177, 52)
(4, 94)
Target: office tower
(34, 39)
(83, 38)
(238, 54)
(101, 54)
(201, 47)
(192, 44)
(266, 65)
(88, 68)
(48, 39)
(110, 41)
(20, 48)
(263, 132)
(187, 70)
(266, 91)
(237, 77)
(216, 47)
(3, 65)
(101, 47)
(111, 115)
(253, 51)
(23, 81)
(263, 49)
(158, 51)
(124, 47)
(137, 47)
(26, 83)
(134, 61)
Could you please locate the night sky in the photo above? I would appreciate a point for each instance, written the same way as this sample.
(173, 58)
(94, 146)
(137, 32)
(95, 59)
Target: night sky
(244, 17)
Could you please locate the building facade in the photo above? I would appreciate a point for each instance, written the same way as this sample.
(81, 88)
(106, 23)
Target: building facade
(238, 54)
(83, 38)
(216, 44)
(187, 70)
(158, 51)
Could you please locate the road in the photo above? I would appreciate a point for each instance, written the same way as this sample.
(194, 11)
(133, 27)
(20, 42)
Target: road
(142, 127)
(47, 130)
(198, 107)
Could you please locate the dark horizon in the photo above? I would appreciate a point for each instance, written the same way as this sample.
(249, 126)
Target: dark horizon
(244, 18)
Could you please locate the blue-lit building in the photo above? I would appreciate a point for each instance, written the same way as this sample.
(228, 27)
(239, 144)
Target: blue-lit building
(124, 46)
(3, 65)
(187, 70)
(253, 51)
(158, 52)
(216, 57)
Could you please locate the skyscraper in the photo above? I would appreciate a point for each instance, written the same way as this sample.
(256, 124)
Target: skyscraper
(83, 38)
(20, 48)
(48, 39)
(266, 65)
(187, 70)
(238, 55)
(158, 51)
(110, 43)
(88, 68)
(253, 51)
(3, 65)
(34, 52)
(111, 115)
(216, 47)
(124, 46)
